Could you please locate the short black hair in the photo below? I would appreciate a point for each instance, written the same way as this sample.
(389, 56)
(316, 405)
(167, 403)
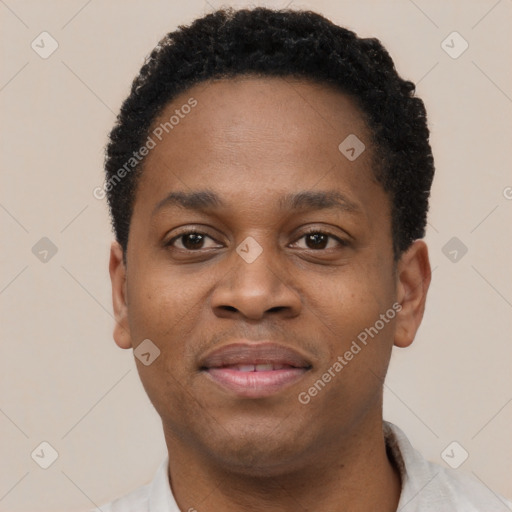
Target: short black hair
(282, 43)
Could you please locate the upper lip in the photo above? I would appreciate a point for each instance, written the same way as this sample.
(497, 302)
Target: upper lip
(253, 353)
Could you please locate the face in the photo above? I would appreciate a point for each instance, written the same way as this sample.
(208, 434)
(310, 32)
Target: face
(291, 245)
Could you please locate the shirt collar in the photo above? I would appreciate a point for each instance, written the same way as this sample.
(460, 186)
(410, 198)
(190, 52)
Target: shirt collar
(160, 495)
(415, 472)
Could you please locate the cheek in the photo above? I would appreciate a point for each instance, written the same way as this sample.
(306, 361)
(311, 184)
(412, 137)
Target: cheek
(159, 301)
(354, 300)
(161, 312)
(166, 318)
(351, 309)
(359, 345)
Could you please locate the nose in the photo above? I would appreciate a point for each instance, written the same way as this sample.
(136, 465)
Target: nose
(258, 283)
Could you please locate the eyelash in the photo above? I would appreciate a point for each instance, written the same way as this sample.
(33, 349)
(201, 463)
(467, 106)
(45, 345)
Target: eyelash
(342, 242)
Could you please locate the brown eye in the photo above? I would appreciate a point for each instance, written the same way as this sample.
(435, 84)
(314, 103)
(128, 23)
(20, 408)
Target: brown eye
(189, 241)
(319, 240)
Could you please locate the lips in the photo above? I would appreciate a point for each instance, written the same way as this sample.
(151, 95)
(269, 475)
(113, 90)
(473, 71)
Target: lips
(243, 353)
(254, 370)
(264, 367)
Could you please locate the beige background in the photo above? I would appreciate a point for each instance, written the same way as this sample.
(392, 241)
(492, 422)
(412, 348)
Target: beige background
(64, 381)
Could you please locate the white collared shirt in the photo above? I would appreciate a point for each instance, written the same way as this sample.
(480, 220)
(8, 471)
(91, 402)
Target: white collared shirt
(426, 487)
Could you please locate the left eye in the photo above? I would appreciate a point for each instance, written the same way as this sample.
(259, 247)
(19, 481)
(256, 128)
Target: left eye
(319, 240)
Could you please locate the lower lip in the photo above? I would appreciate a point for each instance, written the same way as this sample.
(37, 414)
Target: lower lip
(255, 384)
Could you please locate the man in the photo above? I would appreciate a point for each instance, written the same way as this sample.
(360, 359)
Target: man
(268, 179)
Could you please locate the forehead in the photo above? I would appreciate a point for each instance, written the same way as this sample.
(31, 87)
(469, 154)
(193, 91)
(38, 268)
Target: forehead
(254, 136)
(284, 108)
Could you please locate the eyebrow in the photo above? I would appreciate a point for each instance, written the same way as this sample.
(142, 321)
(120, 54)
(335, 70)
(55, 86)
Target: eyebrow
(208, 200)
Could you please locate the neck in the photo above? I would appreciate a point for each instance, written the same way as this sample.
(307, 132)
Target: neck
(353, 472)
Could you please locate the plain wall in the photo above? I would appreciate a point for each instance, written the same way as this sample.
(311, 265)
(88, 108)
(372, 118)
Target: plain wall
(63, 380)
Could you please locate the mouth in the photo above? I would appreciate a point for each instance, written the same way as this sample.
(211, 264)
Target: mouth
(254, 370)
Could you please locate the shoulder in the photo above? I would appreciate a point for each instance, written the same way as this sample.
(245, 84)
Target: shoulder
(135, 501)
(429, 487)
(153, 496)
(458, 491)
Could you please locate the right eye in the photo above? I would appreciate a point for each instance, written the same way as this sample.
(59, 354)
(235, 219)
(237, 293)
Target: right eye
(189, 240)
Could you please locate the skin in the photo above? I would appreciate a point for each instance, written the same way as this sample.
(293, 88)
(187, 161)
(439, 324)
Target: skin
(251, 141)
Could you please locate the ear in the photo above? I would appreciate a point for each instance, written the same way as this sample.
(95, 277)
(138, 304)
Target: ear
(413, 281)
(117, 271)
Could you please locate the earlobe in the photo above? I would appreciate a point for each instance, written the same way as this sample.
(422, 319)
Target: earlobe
(413, 281)
(117, 271)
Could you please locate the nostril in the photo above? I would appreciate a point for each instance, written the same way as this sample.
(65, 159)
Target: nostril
(277, 308)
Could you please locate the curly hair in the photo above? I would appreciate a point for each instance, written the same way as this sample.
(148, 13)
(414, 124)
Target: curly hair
(282, 43)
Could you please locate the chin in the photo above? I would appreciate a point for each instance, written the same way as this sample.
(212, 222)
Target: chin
(258, 454)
